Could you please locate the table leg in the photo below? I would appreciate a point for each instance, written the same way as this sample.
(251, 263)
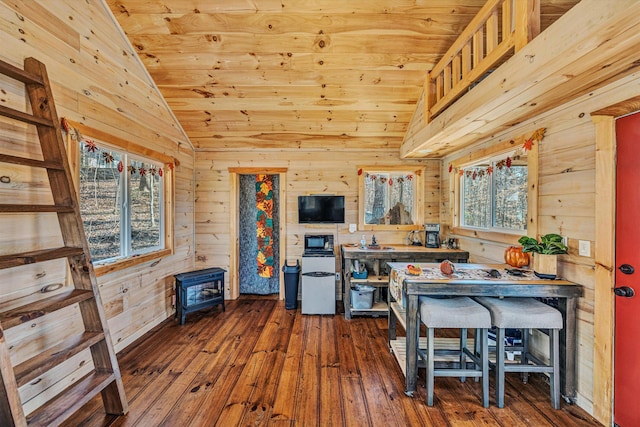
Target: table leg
(413, 329)
(392, 325)
(568, 307)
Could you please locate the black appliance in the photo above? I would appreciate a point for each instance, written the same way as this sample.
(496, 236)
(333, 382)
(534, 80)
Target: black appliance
(432, 235)
(320, 209)
(199, 289)
(318, 245)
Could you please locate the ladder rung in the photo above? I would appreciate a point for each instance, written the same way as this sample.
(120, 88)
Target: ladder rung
(19, 74)
(24, 117)
(15, 260)
(28, 312)
(35, 208)
(61, 407)
(38, 365)
(31, 162)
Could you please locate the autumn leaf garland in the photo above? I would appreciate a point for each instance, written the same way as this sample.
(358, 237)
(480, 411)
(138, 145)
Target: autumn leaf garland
(506, 162)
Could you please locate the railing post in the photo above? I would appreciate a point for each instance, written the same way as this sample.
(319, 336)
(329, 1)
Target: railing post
(430, 96)
(527, 22)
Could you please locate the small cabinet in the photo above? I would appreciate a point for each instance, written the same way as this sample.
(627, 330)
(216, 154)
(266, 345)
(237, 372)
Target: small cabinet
(376, 261)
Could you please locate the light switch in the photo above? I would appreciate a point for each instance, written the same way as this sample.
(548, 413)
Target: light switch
(352, 228)
(584, 248)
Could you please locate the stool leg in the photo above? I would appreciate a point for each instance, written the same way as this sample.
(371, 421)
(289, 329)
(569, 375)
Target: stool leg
(500, 368)
(554, 355)
(482, 336)
(524, 356)
(430, 365)
(463, 345)
(477, 350)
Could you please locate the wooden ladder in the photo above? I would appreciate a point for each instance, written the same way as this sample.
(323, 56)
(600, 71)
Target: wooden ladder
(105, 377)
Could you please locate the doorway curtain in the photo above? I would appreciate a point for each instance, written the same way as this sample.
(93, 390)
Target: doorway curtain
(253, 270)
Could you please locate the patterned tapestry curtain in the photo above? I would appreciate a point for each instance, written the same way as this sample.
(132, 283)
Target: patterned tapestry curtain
(264, 224)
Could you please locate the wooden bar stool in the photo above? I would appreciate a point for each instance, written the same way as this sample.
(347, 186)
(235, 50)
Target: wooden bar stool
(525, 314)
(456, 313)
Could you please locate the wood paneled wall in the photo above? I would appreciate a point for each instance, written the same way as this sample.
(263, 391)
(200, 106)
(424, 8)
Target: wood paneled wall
(308, 172)
(98, 81)
(566, 205)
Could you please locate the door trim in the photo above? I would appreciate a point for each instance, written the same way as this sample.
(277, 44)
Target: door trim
(604, 303)
(234, 222)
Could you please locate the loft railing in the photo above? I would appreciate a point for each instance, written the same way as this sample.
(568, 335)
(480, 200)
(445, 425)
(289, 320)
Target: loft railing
(500, 28)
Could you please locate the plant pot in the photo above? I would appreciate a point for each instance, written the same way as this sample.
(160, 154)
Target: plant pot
(545, 266)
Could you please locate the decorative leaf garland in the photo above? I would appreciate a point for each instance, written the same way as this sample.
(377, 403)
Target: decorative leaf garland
(384, 179)
(264, 225)
(107, 156)
(475, 172)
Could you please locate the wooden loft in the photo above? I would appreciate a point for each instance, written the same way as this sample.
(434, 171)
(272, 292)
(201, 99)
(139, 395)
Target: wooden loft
(500, 28)
(599, 46)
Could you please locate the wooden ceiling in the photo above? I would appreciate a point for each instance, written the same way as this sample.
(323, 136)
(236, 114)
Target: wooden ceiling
(296, 74)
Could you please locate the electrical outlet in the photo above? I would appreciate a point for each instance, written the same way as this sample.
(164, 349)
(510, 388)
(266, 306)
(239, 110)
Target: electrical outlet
(584, 248)
(337, 276)
(352, 228)
(565, 241)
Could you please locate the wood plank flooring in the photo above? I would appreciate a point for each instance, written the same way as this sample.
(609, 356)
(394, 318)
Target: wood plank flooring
(260, 364)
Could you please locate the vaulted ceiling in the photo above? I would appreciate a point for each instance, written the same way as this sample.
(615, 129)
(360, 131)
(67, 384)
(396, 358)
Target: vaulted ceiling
(290, 74)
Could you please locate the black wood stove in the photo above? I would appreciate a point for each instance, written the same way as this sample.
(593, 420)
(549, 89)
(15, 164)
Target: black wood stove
(198, 289)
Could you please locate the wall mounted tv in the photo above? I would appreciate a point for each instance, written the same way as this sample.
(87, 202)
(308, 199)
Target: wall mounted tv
(320, 209)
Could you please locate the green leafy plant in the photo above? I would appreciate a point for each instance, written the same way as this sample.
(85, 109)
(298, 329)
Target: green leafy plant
(549, 244)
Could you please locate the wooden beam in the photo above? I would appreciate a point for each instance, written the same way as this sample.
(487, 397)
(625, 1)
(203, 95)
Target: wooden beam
(604, 312)
(527, 22)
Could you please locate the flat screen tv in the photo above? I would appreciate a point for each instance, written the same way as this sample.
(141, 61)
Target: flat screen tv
(320, 209)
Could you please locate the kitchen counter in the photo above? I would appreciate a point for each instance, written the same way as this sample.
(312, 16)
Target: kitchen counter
(376, 260)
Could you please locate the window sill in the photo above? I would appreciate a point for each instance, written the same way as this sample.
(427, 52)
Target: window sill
(104, 269)
(506, 238)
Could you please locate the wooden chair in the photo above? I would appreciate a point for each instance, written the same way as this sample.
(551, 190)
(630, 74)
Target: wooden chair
(456, 313)
(525, 314)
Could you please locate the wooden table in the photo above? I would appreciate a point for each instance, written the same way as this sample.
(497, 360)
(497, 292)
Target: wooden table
(471, 280)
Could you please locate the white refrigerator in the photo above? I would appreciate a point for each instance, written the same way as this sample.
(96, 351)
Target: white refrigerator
(318, 284)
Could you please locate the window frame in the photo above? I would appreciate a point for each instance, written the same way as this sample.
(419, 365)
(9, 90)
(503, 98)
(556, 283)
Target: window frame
(418, 202)
(137, 152)
(491, 161)
(500, 148)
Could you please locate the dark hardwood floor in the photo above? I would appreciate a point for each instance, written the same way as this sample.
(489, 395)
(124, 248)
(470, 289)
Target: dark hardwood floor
(260, 364)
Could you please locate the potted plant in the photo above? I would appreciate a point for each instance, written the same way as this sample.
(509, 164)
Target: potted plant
(545, 251)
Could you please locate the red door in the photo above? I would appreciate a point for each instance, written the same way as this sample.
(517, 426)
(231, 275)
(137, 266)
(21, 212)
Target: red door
(627, 305)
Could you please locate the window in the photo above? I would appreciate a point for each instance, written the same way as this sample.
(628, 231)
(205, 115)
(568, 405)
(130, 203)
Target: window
(494, 194)
(121, 202)
(495, 190)
(390, 198)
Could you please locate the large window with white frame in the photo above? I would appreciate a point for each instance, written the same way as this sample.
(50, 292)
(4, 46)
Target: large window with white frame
(121, 202)
(493, 194)
(495, 190)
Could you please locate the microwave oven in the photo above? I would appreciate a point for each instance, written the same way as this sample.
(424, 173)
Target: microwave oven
(318, 243)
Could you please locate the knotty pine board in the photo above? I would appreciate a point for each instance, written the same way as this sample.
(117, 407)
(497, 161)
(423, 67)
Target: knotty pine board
(97, 81)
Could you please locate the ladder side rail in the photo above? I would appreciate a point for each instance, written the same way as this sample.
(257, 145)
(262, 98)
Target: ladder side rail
(11, 412)
(82, 272)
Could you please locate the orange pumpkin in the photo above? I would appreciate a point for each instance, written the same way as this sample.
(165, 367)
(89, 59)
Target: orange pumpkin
(515, 257)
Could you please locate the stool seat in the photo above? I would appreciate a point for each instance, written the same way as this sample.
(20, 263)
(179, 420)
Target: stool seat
(459, 312)
(525, 314)
(521, 313)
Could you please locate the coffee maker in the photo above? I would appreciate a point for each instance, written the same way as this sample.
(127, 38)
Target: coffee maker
(432, 235)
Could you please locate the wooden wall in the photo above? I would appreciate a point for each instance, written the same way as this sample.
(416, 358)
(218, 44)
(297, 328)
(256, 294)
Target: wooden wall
(566, 203)
(308, 172)
(97, 81)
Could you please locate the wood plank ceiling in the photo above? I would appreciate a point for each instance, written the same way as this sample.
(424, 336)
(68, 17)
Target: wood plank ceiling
(296, 74)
